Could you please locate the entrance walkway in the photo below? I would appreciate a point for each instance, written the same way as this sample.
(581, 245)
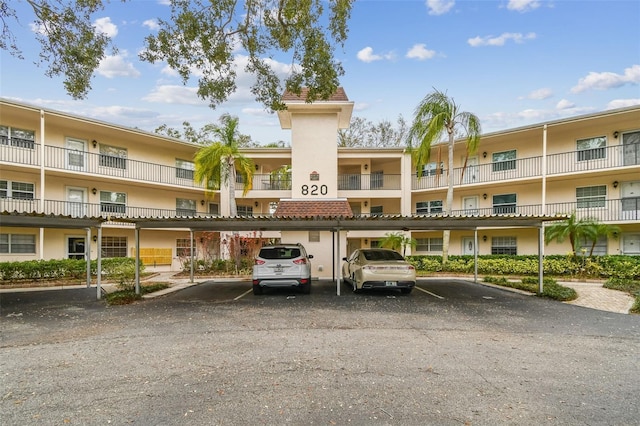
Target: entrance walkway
(595, 296)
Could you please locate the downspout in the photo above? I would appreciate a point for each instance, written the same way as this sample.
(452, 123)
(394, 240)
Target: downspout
(336, 261)
(540, 258)
(41, 206)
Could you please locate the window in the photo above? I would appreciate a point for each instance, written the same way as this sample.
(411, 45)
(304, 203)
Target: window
(504, 204)
(183, 247)
(184, 169)
(245, 211)
(502, 161)
(114, 246)
(185, 207)
(376, 211)
(377, 180)
(591, 196)
(18, 243)
(113, 202)
(600, 249)
(431, 169)
(375, 243)
(429, 207)
(429, 244)
(273, 206)
(112, 156)
(592, 148)
(17, 190)
(504, 245)
(17, 137)
(214, 209)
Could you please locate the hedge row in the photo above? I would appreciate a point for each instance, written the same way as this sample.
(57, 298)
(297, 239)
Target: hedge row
(616, 266)
(41, 270)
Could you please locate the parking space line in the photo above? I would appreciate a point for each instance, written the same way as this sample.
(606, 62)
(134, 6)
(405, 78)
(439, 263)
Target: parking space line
(244, 294)
(428, 292)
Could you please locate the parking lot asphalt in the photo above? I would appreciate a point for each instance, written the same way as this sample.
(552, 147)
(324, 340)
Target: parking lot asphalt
(451, 352)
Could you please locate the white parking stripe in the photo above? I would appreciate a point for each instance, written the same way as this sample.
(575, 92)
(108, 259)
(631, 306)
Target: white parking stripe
(428, 292)
(244, 294)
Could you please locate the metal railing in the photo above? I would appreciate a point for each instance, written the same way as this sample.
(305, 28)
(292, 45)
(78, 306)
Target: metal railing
(369, 182)
(105, 165)
(617, 210)
(58, 158)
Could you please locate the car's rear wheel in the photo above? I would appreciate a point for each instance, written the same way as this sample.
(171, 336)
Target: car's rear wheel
(406, 290)
(306, 288)
(257, 289)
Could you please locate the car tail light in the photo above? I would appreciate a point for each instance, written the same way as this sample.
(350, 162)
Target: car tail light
(259, 262)
(302, 261)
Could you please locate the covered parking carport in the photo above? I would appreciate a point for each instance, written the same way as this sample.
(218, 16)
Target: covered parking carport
(336, 225)
(41, 220)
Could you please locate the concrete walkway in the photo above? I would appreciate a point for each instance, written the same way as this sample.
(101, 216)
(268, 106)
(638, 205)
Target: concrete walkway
(595, 296)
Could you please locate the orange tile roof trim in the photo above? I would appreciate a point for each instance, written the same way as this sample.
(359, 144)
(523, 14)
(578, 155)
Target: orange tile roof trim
(338, 96)
(324, 208)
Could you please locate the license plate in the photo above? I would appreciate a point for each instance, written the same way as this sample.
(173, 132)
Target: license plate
(391, 283)
(278, 270)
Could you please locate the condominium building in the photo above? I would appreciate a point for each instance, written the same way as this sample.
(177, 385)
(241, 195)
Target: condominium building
(56, 163)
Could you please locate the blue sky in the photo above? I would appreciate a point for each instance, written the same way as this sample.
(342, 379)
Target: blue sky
(510, 62)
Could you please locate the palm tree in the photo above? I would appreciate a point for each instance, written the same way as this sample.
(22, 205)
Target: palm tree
(397, 240)
(601, 230)
(218, 163)
(574, 229)
(435, 116)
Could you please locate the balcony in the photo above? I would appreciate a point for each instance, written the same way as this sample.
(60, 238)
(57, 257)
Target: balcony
(531, 167)
(617, 210)
(369, 182)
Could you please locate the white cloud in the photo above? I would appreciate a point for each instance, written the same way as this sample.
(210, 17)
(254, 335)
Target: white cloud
(523, 5)
(152, 24)
(439, 7)
(106, 27)
(117, 66)
(623, 103)
(565, 104)
(361, 106)
(540, 94)
(420, 52)
(607, 80)
(174, 94)
(367, 55)
(500, 40)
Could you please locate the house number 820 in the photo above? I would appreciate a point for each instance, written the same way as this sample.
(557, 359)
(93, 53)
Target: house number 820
(314, 190)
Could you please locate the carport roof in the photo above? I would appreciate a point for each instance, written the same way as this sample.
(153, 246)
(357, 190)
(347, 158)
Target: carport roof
(277, 223)
(330, 223)
(42, 220)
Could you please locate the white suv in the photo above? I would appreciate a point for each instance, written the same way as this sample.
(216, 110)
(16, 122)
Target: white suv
(282, 265)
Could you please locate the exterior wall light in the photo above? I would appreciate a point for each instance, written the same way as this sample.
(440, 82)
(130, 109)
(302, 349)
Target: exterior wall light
(202, 202)
(484, 154)
(366, 166)
(484, 196)
(95, 238)
(484, 238)
(94, 191)
(615, 183)
(616, 134)
(94, 143)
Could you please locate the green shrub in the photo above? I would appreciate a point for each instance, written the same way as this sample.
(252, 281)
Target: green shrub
(55, 269)
(559, 292)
